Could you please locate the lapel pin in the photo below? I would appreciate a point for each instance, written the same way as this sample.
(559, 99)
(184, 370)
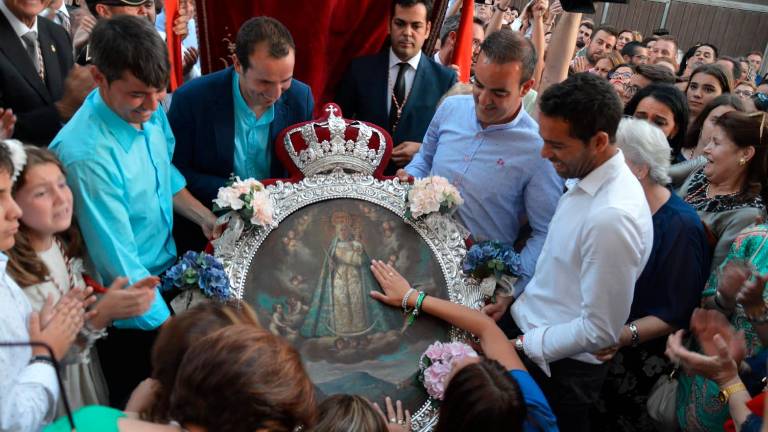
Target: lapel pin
(53, 48)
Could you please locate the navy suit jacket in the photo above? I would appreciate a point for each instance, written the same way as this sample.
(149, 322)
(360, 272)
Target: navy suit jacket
(21, 88)
(362, 94)
(202, 117)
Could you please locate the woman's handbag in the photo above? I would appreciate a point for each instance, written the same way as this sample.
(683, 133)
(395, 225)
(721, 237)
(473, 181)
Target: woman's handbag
(662, 402)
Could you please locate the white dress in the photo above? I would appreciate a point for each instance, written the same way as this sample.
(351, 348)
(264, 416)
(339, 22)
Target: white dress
(83, 380)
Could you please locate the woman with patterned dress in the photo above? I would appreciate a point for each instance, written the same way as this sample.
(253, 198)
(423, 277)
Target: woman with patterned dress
(727, 193)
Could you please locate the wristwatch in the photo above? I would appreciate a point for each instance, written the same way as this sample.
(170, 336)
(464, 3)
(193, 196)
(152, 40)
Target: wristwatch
(501, 9)
(726, 392)
(42, 359)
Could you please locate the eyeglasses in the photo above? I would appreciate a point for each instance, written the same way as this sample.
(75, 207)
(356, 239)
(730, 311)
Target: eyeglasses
(620, 75)
(744, 93)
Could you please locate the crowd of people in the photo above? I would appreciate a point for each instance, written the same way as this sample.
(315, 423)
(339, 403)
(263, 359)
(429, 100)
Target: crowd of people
(630, 173)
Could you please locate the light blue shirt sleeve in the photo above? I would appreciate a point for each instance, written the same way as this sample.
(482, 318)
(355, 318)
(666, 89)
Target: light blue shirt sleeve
(540, 196)
(102, 214)
(178, 182)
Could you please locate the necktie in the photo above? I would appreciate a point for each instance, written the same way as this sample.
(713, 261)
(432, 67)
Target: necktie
(30, 40)
(398, 97)
(64, 21)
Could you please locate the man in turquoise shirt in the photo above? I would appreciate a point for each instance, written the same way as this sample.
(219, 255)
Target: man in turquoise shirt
(117, 151)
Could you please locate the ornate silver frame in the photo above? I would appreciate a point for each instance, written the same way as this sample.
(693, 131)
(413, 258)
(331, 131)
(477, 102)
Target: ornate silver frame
(444, 236)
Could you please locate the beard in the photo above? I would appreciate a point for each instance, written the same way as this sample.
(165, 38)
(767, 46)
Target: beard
(579, 44)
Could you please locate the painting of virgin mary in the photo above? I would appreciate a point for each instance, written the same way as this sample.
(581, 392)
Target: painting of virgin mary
(340, 305)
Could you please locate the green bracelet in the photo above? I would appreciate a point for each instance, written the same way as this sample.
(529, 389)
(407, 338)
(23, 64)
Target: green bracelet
(415, 312)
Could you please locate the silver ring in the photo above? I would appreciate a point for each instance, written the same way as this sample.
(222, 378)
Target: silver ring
(401, 422)
(393, 420)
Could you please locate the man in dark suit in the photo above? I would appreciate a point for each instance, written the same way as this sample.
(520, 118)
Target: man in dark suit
(35, 60)
(398, 89)
(227, 122)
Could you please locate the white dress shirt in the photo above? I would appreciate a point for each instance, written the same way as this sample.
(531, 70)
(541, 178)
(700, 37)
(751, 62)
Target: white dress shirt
(436, 58)
(28, 392)
(597, 245)
(18, 27)
(394, 68)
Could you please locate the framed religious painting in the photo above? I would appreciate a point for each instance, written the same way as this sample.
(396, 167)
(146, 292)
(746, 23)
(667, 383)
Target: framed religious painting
(307, 273)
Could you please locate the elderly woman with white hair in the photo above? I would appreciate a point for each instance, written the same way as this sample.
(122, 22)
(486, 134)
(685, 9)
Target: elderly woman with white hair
(668, 290)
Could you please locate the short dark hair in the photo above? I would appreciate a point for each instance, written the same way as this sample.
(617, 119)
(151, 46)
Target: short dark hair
(6, 160)
(587, 102)
(630, 49)
(482, 396)
(608, 29)
(259, 30)
(757, 53)
(669, 38)
(506, 46)
(130, 44)
(673, 99)
(749, 130)
(587, 24)
(736, 66)
(411, 3)
(451, 24)
(655, 73)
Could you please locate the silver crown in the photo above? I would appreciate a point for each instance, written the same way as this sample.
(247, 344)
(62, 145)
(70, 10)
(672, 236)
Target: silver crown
(324, 156)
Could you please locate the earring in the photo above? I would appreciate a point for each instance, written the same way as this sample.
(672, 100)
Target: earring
(742, 162)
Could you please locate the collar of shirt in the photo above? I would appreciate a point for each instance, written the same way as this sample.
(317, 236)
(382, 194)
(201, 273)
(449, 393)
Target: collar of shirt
(3, 262)
(121, 129)
(63, 9)
(413, 61)
(592, 182)
(436, 57)
(19, 27)
(244, 112)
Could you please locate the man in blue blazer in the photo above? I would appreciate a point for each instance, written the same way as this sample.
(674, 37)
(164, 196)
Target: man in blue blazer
(227, 122)
(398, 89)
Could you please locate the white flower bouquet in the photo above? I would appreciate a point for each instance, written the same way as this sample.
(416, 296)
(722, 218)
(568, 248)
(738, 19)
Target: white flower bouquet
(431, 195)
(249, 198)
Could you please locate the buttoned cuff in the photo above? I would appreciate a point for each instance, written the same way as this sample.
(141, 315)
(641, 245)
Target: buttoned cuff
(533, 345)
(45, 375)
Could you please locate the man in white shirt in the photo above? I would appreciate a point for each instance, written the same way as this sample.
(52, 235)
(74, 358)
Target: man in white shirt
(598, 243)
(29, 389)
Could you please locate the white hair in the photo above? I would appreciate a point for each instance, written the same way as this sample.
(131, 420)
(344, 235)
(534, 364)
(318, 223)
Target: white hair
(645, 145)
(18, 156)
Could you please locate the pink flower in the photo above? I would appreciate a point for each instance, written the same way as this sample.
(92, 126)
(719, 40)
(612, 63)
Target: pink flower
(435, 351)
(263, 212)
(228, 197)
(429, 194)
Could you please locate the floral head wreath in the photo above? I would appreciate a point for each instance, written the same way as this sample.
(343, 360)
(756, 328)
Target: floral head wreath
(18, 156)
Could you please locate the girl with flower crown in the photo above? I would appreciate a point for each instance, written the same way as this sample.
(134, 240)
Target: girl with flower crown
(489, 394)
(47, 262)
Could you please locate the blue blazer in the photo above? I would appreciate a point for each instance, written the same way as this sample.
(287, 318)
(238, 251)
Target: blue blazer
(362, 94)
(202, 116)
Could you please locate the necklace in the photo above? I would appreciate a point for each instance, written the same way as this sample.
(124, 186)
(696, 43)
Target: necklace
(709, 194)
(70, 273)
(398, 107)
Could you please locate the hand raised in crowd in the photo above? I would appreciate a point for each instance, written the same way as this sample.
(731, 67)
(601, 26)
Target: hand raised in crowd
(540, 8)
(60, 331)
(122, 302)
(404, 152)
(181, 23)
(397, 420)
(723, 348)
(499, 308)
(555, 8)
(581, 64)
(750, 295)
(7, 123)
(190, 59)
(77, 86)
(84, 28)
(732, 277)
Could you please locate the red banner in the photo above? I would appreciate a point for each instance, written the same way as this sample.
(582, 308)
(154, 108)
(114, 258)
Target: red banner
(462, 52)
(174, 44)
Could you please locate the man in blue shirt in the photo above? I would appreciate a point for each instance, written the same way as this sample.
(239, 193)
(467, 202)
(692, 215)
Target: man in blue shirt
(488, 147)
(117, 151)
(226, 123)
